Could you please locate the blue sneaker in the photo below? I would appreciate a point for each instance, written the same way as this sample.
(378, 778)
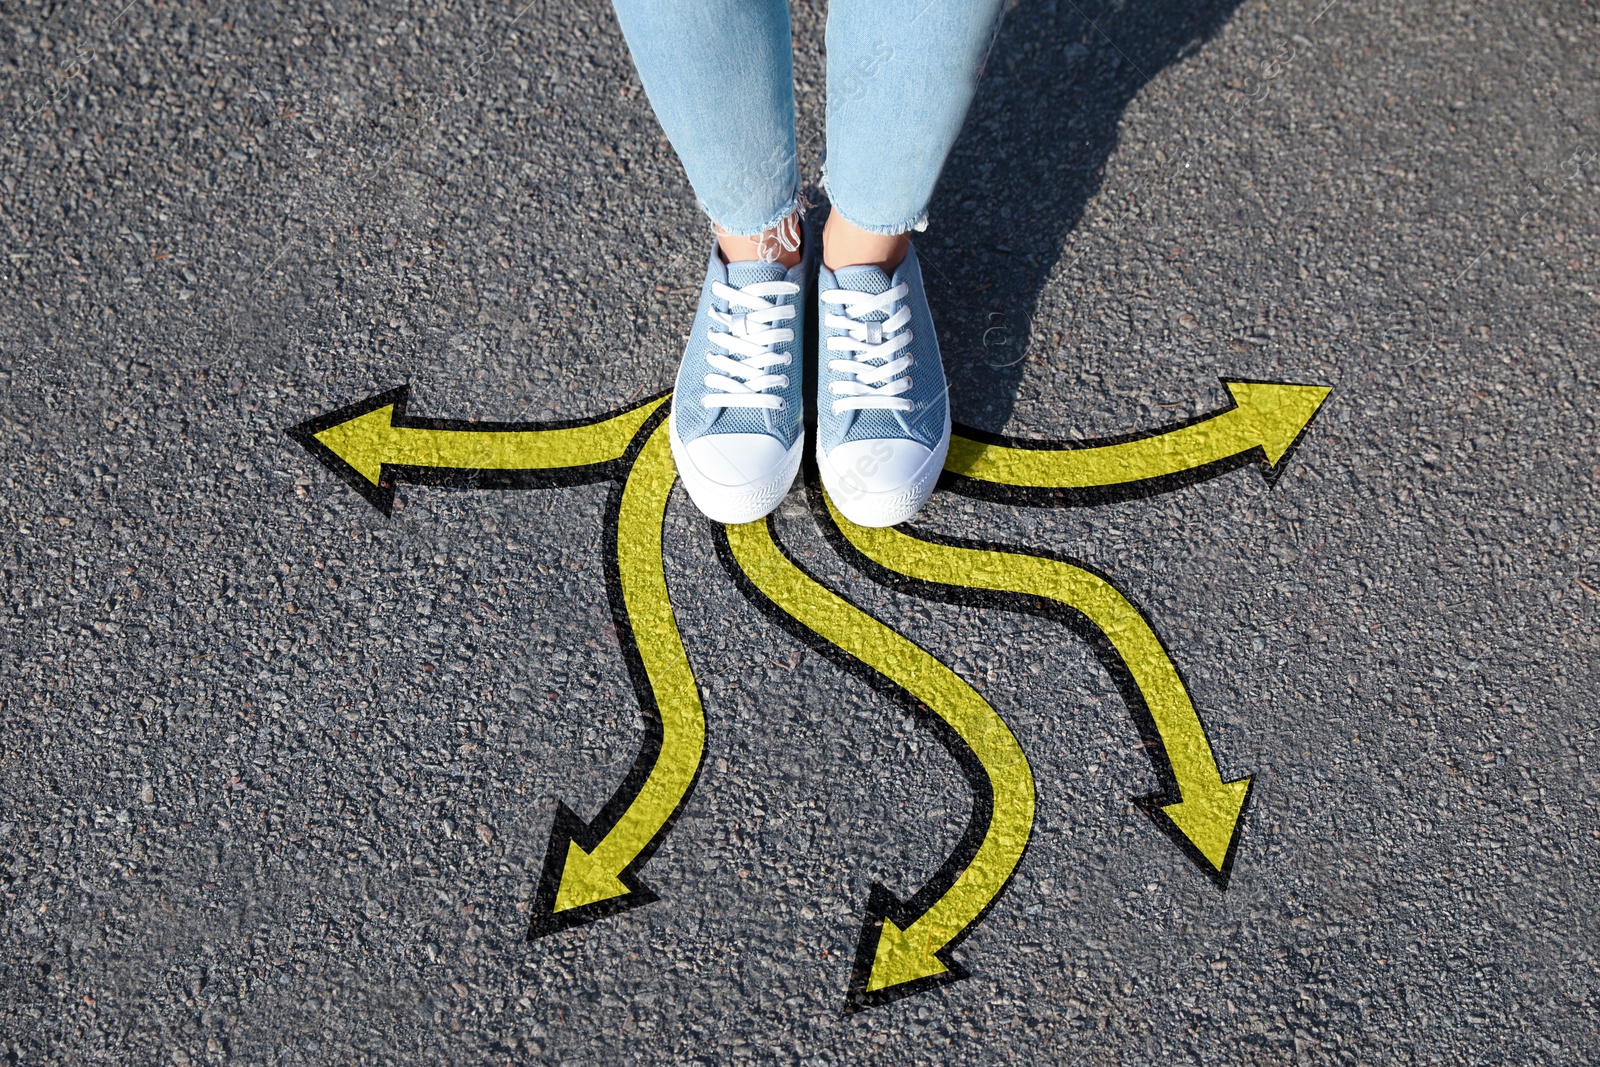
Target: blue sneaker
(883, 411)
(737, 407)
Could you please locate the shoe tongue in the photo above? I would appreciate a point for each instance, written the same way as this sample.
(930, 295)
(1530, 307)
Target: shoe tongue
(863, 279)
(750, 271)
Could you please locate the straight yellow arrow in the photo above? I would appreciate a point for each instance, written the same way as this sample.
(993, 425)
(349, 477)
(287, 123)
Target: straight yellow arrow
(905, 947)
(1266, 420)
(590, 868)
(373, 443)
(1205, 814)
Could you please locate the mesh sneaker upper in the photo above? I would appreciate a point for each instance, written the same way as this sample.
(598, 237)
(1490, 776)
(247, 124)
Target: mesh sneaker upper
(925, 422)
(691, 417)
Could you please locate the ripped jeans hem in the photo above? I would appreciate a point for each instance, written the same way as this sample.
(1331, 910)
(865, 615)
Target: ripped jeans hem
(796, 206)
(916, 223)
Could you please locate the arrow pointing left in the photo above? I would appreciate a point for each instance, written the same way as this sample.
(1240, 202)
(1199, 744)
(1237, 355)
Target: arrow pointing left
(373, 444)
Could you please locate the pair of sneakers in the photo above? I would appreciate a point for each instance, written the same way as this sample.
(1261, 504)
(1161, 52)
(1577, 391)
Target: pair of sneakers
(883, 412)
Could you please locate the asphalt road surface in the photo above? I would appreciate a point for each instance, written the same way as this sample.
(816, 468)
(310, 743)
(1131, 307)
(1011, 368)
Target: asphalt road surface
(278, 773)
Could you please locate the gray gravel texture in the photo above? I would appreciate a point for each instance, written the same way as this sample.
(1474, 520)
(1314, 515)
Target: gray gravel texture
(277, 774)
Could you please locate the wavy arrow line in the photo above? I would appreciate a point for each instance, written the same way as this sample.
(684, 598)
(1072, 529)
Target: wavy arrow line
(905, 947)
(1199, 810)
(373, 443)
(590, 869)
(1266, 420)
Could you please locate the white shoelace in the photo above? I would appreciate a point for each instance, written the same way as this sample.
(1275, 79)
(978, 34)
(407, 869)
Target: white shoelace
(747, 336)
(876, 384)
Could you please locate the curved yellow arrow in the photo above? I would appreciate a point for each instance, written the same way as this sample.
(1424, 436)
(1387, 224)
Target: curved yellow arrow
(1269, 416)
(911, 949)
(373, 443)
(1208, 813)
(590, 868)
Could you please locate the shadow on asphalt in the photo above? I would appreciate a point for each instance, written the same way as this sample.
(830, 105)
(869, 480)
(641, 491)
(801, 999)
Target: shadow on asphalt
(1030, 157)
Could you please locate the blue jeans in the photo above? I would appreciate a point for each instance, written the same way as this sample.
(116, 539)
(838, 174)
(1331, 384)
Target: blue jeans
(720, 76)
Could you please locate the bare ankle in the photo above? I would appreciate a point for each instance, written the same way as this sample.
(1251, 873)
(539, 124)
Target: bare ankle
(846, 245)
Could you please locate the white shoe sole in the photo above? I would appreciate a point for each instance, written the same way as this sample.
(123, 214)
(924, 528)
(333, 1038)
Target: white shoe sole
(888, 507)
(736, 503)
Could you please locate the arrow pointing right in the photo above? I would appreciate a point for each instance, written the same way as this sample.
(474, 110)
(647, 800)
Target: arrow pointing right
(1266, 419)
(1199, 810)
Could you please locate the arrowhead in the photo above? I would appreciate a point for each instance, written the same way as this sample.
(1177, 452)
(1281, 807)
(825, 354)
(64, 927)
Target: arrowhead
(902, 957)
(363, 442)
(1277, 412)
(896, 956)
(355, 440)
(1209, 819)
(584, 880)
(577, 887)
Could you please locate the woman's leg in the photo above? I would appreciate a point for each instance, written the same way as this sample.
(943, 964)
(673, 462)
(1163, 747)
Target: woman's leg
(720, 76)
(901, 75)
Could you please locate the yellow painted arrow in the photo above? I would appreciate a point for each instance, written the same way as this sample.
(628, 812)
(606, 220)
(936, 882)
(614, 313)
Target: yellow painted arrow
(590, 868)
(373, 443)
(1207, 813)
(1269, 416)
(909, 949)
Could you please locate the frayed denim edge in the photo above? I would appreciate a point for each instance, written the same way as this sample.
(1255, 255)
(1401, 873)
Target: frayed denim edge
(916, 224)
(797, 205)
